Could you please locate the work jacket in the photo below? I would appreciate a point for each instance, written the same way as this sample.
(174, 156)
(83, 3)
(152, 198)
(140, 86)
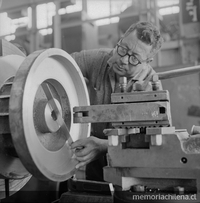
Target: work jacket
(94, 65)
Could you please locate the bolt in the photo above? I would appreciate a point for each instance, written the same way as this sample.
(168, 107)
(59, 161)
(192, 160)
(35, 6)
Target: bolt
(123, 83)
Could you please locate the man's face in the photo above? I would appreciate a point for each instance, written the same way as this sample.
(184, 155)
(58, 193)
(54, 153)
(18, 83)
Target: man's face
(121, 64)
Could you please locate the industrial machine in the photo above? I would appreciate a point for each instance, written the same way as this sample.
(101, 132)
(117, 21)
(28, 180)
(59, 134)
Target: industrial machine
(45, 106)
(148, 159)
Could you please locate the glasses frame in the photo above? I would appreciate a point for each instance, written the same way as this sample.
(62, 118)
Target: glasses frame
(127, 54)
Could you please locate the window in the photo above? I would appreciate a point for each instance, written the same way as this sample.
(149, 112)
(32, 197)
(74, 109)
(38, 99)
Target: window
(103, 8)
(167, 7)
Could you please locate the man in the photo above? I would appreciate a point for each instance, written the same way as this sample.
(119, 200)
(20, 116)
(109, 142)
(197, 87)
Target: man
(102, 68)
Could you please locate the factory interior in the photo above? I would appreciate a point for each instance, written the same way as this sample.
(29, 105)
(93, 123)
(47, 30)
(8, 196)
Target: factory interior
(36, 164)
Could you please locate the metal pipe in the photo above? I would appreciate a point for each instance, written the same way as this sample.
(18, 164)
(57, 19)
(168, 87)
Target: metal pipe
(178, 72)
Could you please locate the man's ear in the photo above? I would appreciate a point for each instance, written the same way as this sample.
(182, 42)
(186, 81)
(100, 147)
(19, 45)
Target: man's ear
(149, 60)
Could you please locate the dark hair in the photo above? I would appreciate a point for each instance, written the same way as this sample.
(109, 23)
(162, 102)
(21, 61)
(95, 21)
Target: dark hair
(147, 33)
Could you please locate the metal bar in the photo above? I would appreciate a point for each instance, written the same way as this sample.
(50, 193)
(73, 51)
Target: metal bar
(178, 72)
(57, 27)
(128, 112)
(139, 97)
(80, 22)
(7, 191)
(16, 6)
(57, 115)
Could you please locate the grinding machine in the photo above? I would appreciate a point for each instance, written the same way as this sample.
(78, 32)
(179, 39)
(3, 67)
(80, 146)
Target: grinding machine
(36, 115)
(44, 100)
(148, 160)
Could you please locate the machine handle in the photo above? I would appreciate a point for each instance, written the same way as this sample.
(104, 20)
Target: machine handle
(178, 72)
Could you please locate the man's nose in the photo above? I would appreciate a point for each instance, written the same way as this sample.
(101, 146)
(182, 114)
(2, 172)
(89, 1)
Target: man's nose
(124, 59)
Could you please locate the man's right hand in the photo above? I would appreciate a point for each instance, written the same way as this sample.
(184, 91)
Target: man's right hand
(88, 149)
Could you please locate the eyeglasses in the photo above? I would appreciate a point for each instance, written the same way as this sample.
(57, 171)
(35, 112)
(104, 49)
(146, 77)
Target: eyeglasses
(133, 60)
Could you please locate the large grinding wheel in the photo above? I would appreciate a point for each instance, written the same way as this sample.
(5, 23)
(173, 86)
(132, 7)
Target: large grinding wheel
(37, 95)
(46, 87)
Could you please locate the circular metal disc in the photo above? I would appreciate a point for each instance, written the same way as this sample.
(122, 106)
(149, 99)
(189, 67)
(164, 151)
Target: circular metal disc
(44, 149)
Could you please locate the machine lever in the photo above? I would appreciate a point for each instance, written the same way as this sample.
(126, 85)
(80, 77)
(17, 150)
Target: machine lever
(55, 113)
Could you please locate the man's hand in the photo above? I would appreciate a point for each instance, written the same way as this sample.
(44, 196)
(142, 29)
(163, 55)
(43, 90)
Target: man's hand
(88, 149)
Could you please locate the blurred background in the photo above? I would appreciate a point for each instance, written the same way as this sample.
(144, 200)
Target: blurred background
(83, 24)
(74, 25)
